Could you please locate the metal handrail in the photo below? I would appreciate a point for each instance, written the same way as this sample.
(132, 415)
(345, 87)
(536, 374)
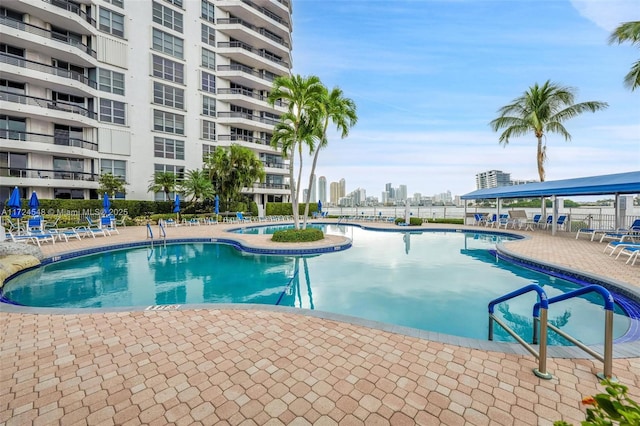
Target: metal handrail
(543, 303)
(607, 357)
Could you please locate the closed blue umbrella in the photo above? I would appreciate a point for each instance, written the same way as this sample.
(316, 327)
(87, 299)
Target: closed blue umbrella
(216, 205)
(15, 204)
(34, 204)
(106, 204)
(319, 206)
(176, 204)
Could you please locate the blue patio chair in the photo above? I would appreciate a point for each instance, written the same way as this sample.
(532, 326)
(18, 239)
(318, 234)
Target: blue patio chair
(36, 223)
(108, 224)
(479, 219)
(241, 218)
(91, 230)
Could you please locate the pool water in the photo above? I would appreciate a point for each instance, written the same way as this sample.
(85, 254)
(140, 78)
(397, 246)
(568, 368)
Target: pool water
(436, 281)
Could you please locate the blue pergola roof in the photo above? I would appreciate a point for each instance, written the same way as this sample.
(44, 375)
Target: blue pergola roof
(621, 183)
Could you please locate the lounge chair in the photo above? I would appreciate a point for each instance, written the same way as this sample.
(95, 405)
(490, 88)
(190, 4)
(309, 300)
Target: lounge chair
(192, 222)
(65, 234)
(241, 218)
(624, 234)
(631, 251)
(91, 230)
(108, 224)
(171, 222)
(490, 221)
(535, 221)
(36, 223)
(593, 232)
(615, 245)
(35, 238)
(479, 219)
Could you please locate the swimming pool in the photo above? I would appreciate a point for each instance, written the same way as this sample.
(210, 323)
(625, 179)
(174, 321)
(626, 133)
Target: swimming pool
(436, 281)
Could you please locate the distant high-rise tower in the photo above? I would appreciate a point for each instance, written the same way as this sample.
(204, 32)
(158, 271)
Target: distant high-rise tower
(402, 192)
(322, 189)
(492, 179)
(343, 187)
(334, 193)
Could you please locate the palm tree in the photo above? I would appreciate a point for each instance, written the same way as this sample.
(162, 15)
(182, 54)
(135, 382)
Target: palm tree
(541, 109)
(629, 31)
(111, 184)
(232, 169)
(302, 94)
(197, 185)
(333, 107)
(163, 182)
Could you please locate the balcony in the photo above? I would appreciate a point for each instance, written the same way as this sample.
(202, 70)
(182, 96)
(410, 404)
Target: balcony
(20, 62)
(46, 103)
(242, 138)
(252, 121)
(242, 52)
(48, 174)
(246, 76)
(48, 139)
(280, 186)
(45, 33)
(258, 15)
(246, 93)
(237, 28)
(73, 8)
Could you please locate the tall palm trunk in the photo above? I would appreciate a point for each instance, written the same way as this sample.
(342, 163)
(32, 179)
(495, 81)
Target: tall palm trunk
(313, 172)
(297, 208)
(541, 158)
(292, 182)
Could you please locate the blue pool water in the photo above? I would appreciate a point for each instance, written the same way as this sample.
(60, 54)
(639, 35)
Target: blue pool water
(434, 281)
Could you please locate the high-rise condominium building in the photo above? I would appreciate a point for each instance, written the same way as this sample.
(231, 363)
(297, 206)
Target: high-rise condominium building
(343, 188)
(136, 87)
(322, 189)
(492, 179)
(334, 193)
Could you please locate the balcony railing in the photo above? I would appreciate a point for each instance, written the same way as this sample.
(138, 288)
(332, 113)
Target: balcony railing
(51, 139)
(274, 165)
(267, 13)
(246, 116)
(242, 138)
(43, 32)
(18, 61)
(271, 185)
(46, 103)
(247, 70)
(48, 174)
(261, 31)
(241, 45)
(73, 8)
(248, 93)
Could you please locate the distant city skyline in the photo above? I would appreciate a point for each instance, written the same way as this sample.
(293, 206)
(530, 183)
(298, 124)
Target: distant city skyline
(427, 78)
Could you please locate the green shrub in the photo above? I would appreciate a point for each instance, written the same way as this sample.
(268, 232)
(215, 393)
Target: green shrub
(297, 235)
(450, 221)
(285, 209)
(415, 221)
(611, 408)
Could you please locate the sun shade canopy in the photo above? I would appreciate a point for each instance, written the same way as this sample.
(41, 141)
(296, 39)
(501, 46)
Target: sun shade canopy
(620, 183)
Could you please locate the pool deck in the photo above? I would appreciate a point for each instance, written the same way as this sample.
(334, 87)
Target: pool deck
(260, 365)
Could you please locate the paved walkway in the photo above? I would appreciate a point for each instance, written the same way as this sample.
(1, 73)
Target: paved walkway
(258, 365)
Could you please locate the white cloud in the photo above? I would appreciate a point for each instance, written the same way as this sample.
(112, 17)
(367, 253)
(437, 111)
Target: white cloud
(608, 14)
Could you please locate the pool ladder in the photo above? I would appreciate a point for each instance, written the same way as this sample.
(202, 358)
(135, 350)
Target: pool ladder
(162, 233)
(541, 326)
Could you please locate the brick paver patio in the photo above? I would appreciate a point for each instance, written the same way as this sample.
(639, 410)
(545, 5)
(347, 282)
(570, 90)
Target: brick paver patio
(252, 365)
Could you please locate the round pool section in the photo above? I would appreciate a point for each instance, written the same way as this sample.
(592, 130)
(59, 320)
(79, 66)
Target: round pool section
(435, 281)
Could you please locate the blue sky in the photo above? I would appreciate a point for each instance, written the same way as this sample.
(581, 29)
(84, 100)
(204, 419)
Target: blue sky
(428, 76)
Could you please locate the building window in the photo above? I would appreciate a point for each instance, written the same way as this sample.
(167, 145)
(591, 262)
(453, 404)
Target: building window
(111, 81)
(168, 148)
(12, 164)
(208, 11)
(13, 128)
(208, 82)
(208, 106)
(178, 171)
(67, 135)
(112, 111)
(117, 3)
(167, 122)
(166, 43)
(166, 95)
(118, 168)
(208, 35)
(175, 2)
(111, 22)
(167, 17)
(208, 59)
(168, 70)
(207, 150)
(208, 130)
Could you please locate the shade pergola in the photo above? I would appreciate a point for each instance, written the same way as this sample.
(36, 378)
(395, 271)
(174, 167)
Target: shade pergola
(615, 184)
